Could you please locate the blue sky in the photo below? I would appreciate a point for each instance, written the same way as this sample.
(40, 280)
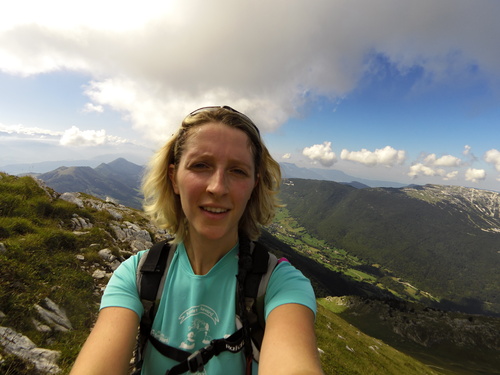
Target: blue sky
(394, 90)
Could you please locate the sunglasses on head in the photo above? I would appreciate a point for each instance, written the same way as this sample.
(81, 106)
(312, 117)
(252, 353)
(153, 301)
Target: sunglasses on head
(214, 108)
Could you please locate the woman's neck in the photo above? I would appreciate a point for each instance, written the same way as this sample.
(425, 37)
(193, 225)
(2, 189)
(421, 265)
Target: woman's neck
(203, 253)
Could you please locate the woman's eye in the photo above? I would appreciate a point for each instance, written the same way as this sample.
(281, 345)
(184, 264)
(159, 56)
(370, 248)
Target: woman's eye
(239, 171)
(199, 166)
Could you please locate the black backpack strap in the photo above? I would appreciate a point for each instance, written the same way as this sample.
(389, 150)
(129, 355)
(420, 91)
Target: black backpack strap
(151, 274)
(264, 266)
(256, 281)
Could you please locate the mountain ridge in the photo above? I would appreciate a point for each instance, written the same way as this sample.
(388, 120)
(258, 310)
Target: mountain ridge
(119, 180)
(441, 239)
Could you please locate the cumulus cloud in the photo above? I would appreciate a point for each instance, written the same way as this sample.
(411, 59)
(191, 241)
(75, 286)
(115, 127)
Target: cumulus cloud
(152, 64)
(286, 156)
(443, 161)
(422, 169)
(475, 175)
(387, 156)
(321, 153)
(76, 137)
(493, 156)
(433, 166)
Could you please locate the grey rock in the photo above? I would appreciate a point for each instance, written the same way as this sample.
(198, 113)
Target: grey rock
(21, 346)
(40, 327)
(53, 315)
(116, 214)
(107, 255)
(79, 223)
(99, 274)
(72, 198)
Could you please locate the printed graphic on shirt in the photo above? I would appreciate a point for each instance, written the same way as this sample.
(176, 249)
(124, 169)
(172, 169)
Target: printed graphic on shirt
(200, 318)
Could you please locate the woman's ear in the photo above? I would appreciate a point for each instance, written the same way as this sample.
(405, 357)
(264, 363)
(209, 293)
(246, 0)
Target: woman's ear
(172, 177)
(257, 178)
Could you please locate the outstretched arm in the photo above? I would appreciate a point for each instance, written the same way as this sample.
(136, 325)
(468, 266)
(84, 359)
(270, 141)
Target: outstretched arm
(289, 345)
(109, 347)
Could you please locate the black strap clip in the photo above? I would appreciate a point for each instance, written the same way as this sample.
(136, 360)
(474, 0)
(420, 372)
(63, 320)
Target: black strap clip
(199, 358)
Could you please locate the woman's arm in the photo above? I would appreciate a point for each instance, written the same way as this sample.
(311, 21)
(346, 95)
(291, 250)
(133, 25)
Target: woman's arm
(289, 345)
(110, 345)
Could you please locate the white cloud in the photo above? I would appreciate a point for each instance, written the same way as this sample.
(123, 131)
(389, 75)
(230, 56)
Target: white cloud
(443, 161)
(93, 14)
(89, 107)
(422, 169)
(321, 153)
(76, 137)
(154, 62)
(387, 156)
(475, 175)
(286, 156)
(450, 176)
(493, 156)
(433, 166)
(27, 131)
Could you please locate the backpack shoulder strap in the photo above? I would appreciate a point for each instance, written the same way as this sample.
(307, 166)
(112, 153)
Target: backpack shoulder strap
(263, 264)
(151, 274)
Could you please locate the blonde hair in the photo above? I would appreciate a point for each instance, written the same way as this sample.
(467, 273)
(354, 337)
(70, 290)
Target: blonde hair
(163, 206)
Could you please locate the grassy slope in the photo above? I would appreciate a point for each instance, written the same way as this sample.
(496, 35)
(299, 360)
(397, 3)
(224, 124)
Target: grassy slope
(348, 351)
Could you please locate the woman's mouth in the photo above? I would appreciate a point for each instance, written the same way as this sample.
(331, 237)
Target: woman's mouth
(215, 210)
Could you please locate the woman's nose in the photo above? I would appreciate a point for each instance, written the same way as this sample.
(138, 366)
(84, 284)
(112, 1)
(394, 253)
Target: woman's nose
(218, 183)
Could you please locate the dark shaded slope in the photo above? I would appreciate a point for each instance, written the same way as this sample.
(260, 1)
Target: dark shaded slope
(324, 281)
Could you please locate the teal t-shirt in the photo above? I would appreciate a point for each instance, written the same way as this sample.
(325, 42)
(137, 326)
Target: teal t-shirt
(194, 309)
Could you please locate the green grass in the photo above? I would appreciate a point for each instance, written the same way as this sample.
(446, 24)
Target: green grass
(40, 261)
(348, 351)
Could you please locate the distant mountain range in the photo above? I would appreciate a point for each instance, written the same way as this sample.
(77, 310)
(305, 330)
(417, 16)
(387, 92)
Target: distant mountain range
(290, 170)
(119, 180)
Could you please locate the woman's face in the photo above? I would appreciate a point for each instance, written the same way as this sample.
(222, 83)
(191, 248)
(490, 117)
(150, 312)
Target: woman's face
(214, 179)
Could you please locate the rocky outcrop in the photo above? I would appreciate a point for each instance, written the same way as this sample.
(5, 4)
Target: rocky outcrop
(14, 343)
(53, 316)
(50, 318)
(80, 223)
(72, 198)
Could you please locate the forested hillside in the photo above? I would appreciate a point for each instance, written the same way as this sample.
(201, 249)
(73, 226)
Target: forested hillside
(441, 239)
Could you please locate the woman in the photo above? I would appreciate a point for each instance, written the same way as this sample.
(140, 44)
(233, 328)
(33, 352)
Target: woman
(211, 185)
